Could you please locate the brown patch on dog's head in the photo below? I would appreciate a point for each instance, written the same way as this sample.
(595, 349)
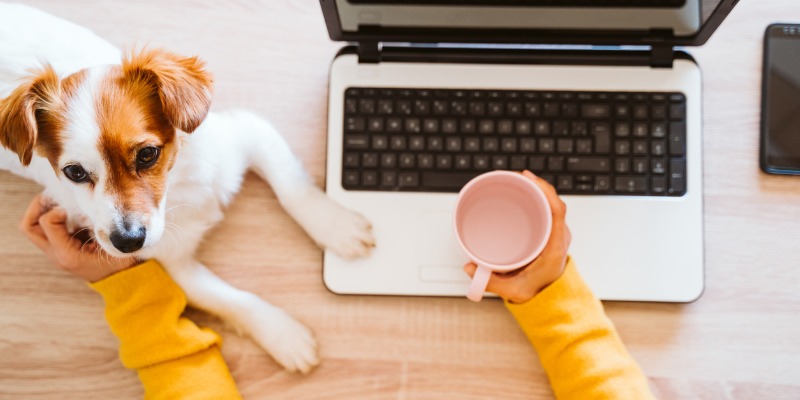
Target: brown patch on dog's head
(32, 116)
(184, 87)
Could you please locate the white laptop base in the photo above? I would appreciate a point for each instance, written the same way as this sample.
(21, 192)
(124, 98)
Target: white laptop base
(640, 248)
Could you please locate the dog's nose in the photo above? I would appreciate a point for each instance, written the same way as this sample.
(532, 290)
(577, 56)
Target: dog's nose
(128, 241)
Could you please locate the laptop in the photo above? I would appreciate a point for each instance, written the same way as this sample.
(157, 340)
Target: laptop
(592, 96)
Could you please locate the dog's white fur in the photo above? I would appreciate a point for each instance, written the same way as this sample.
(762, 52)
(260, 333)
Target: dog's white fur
(207, 174)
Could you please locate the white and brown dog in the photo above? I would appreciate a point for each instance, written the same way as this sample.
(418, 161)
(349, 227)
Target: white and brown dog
(127, 146)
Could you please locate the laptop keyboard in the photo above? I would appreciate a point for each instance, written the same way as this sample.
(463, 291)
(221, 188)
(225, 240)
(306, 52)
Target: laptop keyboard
(586, 143)
(535, 3)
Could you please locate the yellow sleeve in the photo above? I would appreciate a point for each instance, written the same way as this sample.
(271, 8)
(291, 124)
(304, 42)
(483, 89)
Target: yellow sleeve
(578, 346)
(173, 357)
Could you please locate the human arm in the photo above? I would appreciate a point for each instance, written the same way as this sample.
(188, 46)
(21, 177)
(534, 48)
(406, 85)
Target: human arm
(172, 356)
(578, 345)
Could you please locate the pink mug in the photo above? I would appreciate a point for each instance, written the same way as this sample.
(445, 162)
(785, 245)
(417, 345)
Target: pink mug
(502, 221)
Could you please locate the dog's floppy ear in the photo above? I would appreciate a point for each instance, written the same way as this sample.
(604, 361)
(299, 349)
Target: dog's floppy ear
(20, 112)
(183, 85)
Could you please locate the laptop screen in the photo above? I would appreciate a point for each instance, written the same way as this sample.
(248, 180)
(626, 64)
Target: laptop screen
(681, 17)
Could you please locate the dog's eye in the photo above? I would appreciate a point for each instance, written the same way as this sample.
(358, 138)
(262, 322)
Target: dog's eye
(147, 157)
(76, 173)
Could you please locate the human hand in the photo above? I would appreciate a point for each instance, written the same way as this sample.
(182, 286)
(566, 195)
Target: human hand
(46, 228)
(522, 284)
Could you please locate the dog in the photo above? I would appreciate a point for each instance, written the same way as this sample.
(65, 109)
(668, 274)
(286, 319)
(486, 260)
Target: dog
(127, 146)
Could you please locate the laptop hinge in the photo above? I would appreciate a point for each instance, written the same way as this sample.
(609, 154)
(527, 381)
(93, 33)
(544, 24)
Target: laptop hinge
(661, 56)
(369, 52)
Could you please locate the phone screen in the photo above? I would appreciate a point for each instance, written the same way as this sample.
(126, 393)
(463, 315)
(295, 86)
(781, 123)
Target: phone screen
(781, 100)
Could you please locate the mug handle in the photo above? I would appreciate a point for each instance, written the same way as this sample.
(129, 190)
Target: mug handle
(479, 282)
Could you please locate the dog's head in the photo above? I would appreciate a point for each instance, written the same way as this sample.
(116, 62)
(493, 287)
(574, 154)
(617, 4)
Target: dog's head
(110, 134)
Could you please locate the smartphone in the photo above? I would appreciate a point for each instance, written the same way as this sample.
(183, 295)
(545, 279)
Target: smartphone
(780, 100)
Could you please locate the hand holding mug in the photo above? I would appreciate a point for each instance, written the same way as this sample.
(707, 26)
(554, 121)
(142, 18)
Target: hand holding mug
(520, 284)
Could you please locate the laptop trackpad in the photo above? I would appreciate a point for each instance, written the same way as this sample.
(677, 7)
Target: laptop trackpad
(439, 256)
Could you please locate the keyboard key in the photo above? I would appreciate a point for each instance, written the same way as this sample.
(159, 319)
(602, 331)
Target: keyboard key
(463, 162)
(394, 125)
(369, 160)
(440, 107)
(508, 145)
(380, 142)
(622, 147)
(408, 160)
(369, 178)
(472, 144)
(601, 184)
(630, 184)
(658, 148)
(658, 185)
(416, 143)
(444, 161)
(425, 161)
(446, 180)
(518, 163)
(430, 125)
(536, 163)
(541, 127)
(385, 107)
(354, 124)
(551, 109)
(435, 143)
(351, 159)
(514, 109)
(547, 146)
(639, 147)
(622, 165)
(640, 112)
(355, 142)
(533, 109)
(658, 166)
(366, 106)
(658, 130)
(491, 144)
(595, 110)
(495, 108)
(350, 178)
(481, 162)
(588, 164)
(458, 108)
(523, 127)
(560, 128)
(350, 106)
(564, 182)
(449, 126)
(640, 165)
(453, 144)
(409, 179)
(468, 126)
(388, 160)
(583, 146)
(500, 162)
(397, 142)
(527, 145)
(602, 137)
(622, 111)
(413, 125)
(486, 126)
(555, 164)
(658, 112)
(622, 130)
(505, 127)
(677, 138)
(677, 176)
(389, 179)
(641, 129)
(677, 111)
(477, 108)
(566, 146)
(579, 128)
(422, 107)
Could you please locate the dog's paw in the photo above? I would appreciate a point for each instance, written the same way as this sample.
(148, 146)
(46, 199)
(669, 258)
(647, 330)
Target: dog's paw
(333, 227)
(288, 341)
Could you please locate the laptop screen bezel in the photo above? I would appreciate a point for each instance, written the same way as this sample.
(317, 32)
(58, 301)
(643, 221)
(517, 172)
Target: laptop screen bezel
(523, 36)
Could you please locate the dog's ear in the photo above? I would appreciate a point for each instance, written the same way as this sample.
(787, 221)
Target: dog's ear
(20, 112)
(183, 85)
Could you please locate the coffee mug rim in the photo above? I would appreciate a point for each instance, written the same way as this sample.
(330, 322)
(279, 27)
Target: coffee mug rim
(538, 249)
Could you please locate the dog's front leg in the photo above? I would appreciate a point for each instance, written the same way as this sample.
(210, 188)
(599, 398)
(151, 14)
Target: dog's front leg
(332, 226)
(288, 341)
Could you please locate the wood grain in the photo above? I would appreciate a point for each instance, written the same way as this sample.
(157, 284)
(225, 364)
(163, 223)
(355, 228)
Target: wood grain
(738, 341)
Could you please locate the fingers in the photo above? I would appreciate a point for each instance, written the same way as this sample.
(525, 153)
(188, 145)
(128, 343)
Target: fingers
(511, 287)
(54, 225)
(557, 206)
(30, 224)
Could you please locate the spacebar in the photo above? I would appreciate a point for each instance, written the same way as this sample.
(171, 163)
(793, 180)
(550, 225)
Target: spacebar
(447, 180)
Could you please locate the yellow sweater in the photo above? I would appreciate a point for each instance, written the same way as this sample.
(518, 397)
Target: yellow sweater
(174, 358)
(578, 346)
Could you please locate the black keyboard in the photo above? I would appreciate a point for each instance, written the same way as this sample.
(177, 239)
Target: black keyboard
(436, 140)
(535, 3)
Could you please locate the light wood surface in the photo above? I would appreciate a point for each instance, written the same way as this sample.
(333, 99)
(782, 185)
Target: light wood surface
(740, 340)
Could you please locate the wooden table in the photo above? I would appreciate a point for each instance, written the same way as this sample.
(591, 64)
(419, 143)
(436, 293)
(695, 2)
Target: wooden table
(741, 339)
